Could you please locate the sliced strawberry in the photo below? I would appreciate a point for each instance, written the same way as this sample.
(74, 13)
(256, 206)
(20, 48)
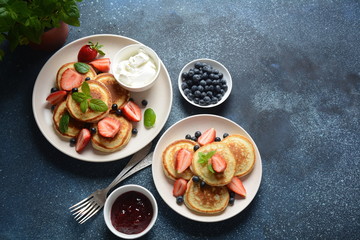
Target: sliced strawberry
(70, 79)
(108, 127)
(101, 64)
(89, 52)
(56, 97)
(179, 187)
(132, 111)
(237, 186)
(207, 137)
(183, 160)
(82, 140)
(218, 163)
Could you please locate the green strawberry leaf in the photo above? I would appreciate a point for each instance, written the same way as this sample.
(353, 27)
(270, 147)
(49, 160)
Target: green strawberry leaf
(204, 157)
(84, 106)
(98, 105)
(81, 67)
(64, 122)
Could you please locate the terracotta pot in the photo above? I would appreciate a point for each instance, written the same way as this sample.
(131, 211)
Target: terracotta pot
(53, 39)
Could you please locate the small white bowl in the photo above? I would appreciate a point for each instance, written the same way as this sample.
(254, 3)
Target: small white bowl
(129, 51)
(112, 198)
(215, 65)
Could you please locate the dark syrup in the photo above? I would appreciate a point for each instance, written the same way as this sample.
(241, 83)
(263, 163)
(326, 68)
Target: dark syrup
(131, 212)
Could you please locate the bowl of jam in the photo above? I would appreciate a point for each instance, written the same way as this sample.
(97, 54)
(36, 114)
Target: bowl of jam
(130, 211)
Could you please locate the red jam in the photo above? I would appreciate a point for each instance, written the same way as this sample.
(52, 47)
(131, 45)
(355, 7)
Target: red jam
(131, 212)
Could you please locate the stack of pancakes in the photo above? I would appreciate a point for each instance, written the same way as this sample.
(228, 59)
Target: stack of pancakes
(102, 86)
(212, 197)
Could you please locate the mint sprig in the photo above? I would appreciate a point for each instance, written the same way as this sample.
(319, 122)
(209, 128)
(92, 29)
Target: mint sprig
(81, 67)
(83, 98)
(64, 122)
(204, 157)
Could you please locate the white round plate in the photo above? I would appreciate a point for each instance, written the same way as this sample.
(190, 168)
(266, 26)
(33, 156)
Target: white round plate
(189, 126)
(159, 98)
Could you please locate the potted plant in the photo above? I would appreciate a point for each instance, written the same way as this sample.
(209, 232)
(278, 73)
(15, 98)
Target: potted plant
(24, 22)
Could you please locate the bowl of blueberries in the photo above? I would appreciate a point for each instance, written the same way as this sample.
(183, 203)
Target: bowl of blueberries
(205, 83)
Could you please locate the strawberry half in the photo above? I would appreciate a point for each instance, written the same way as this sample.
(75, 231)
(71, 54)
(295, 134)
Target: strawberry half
(108, 127)
(70, 79)
(56, 97)
(89, 52)
(183, 160)
(218, 163)
(207, 137)
(132, 111)
(102, 64)
(82, 140)
(179, 187)
(237, 186)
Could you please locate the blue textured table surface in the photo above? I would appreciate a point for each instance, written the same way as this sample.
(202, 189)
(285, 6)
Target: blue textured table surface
(296, 73)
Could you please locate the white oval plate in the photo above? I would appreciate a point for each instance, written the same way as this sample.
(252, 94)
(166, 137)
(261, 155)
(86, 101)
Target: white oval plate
(159, 98)
(189, 126)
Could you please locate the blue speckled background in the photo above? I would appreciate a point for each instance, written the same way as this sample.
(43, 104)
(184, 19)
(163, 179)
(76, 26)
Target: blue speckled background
(296, 91)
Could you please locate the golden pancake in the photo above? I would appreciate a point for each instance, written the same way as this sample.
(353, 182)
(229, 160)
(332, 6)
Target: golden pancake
(119, 95)
(202, 170)
(74, 126)
(169, 159)
(115, 143)
(243, 151)
(98, 91)
(206, 199)
(90, 74)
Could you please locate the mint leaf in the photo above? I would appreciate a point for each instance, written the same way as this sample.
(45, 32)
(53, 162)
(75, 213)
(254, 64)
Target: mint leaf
(204, 157)
(209, 166)
(84, 106)
(98, 105)
(80, 97)
(81, 67)
(64, 122)
(85, 88)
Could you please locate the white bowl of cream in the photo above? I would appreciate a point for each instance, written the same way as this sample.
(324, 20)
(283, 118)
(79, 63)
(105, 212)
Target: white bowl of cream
(136, 67)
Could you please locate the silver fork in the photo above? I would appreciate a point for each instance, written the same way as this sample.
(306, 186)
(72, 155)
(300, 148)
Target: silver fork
(89, 206)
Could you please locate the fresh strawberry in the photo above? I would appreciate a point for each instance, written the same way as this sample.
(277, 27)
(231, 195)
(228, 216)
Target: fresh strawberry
(179, 187)
(207, 137)
(218, 163)
(70, 79)
(108, 127)
(82, 140)
(101, 64)
(237, 186)
(183, 160)
(132, 111)
(56, 97)
(89, 52)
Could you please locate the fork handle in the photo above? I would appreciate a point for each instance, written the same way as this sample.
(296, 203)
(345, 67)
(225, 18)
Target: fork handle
(137, 157)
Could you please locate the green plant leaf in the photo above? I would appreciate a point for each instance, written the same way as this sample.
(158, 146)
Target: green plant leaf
(64, 122)
(204, 157)
(81, 67)
(84, 106)
(85, 88)
(209, 166)
(79, 97)
(149, 118)
(98, 105)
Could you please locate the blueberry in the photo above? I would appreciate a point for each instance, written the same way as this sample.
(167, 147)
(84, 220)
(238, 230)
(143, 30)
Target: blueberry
(118, 112)
(225, 135)
(216, 76)
(194, 88)
(53, 107)
(196, 147)
(215, 71)
(194, 138)
(211, 88)
(203, 83)
(144, 102)
(201, 88)
(208, 81)
(184, 85)
(202, 184)
(188, 136)
(198, 65)
(217, 139)
(134, 131)
(93, 130)
(189, 83)
(218, 88)
(221, 75)
(219, 96)
(190, 96)
(232, 194)
(196, 100)
(197, 93)
(190, 74)
(231, 201)
(187, 91)
(225, 87)
(114, 107)
(222, 81)
(202, 102)
(196, 71)
(54, 89)
(74, 90)
(196, 78)
(195, 178)
(209, 93)
(179, 199)
(72, 141)
(87, 79)
(197, 134)
(214, 100)
(204, 75)
(211, 76)
(184, 75)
